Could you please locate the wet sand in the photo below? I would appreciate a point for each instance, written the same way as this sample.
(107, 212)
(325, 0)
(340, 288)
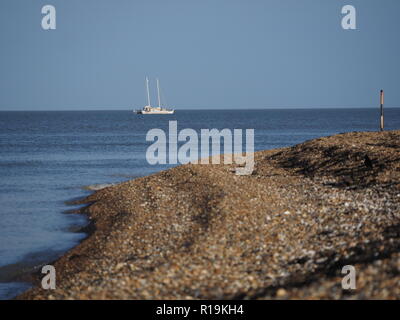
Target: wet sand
(286, 231)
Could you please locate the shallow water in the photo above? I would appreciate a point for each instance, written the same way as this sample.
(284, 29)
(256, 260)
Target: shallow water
(47, 158)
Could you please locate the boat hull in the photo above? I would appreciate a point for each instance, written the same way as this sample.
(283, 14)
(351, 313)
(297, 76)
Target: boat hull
(156, 112)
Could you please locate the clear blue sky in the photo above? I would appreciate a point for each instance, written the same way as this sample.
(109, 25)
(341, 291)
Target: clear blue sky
(207, 53)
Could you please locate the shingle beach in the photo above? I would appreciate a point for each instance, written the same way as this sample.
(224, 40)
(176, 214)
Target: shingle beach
(284, 232)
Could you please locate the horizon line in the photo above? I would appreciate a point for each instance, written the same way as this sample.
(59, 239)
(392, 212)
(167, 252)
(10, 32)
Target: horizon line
(203, 108)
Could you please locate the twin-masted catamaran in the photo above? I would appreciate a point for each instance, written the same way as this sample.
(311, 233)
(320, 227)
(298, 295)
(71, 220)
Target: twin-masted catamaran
(154, 110)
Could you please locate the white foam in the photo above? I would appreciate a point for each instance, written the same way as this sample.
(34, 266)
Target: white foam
(96, 187)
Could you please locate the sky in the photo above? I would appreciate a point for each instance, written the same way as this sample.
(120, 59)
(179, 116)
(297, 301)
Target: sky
(210, 54)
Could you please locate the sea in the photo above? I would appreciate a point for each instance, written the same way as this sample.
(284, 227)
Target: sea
(48, 159)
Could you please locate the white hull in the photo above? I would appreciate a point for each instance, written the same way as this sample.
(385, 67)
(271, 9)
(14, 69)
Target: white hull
(156, 112)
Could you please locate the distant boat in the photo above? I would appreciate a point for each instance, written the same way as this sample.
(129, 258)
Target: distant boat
(154, 110)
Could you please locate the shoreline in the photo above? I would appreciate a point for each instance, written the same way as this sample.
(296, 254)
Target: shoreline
(198, 231)
(29, 274)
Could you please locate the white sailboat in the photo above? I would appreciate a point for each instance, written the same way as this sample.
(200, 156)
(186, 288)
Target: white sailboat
(154, 110)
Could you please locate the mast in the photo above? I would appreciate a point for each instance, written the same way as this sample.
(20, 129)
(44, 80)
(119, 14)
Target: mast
(148, 92)
(158, 92)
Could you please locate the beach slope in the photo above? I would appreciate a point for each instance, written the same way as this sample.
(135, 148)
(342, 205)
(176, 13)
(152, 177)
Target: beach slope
(286, 231)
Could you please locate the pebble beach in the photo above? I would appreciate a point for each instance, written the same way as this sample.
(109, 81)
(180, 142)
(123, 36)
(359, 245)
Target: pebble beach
(283, 232)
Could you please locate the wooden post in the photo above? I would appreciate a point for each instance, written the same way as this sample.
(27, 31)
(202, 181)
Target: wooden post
(382, 117)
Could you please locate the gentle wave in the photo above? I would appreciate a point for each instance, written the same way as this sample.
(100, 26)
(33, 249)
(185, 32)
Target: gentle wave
(96, 187)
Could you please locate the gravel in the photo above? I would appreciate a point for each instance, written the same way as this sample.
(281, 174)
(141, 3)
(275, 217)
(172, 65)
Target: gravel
(284, 232)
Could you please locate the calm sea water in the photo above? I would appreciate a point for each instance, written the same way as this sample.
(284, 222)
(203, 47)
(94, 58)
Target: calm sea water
(47, 158)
